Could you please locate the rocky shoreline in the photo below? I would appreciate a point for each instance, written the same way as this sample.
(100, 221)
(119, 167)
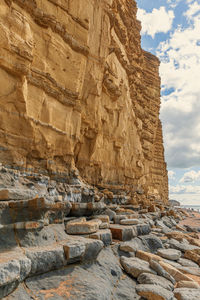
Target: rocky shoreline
(65, 241)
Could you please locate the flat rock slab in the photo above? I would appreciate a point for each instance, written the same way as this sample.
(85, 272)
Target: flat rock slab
(182, 246)
(133, 245)
(170, 254)
(187, 294)
(178, 275)
(153, 292)
(161, 271)
(147, 256)
(187, 263)
(82, 227)
(147, 278)
(121, 233)
(135, 266)
(129, 222)
(193, 255)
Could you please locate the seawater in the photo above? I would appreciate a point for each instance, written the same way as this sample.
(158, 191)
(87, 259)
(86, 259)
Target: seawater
(192, 207)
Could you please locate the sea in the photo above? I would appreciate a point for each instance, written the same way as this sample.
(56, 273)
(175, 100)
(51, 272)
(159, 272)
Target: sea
(192, 207)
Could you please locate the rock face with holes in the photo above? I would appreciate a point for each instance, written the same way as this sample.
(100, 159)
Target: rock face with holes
(78, 94)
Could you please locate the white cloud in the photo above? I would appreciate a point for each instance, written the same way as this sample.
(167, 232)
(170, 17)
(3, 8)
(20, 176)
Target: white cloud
(185, 189)
(179, 70)
(191, 177)
(159, 20)
(171, 175)
(194, 8)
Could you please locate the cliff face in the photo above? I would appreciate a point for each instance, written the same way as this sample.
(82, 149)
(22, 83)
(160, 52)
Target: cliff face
(79, 93)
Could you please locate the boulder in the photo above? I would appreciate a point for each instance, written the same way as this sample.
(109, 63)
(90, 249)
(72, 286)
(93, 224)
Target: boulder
(133, 245)
(122, 233)
(147, 278)
(161, 271)
(135, 266)
(152, 242)
(170, 254)
(174, 272)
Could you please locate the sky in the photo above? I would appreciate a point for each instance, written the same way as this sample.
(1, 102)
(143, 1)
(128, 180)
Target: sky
(171, 30)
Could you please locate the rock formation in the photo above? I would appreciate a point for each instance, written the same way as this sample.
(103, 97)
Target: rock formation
(83, 180)
(79, 95)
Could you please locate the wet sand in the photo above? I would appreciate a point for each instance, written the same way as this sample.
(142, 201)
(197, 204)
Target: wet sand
(193, 220)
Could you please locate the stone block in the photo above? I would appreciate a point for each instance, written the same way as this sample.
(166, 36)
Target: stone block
(103, 235)
(83, 227)
(121, 233)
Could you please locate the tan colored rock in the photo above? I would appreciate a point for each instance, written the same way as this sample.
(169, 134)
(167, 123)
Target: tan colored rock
(178, 276)
(129, 222)
(193, 255)
(79, 93)
(84, 227)
(147, 256)
(187, 284)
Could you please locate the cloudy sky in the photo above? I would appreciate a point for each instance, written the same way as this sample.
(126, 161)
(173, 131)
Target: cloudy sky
(171, 30)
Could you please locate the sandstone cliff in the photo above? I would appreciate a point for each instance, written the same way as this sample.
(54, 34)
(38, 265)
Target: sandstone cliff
(79, 95)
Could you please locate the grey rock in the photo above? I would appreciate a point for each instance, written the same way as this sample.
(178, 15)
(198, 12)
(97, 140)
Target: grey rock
(182, 246)
(93, 248)
(9, 272)
(149, 291)
(187, 294)
(170, 254)
(143, 229)
(118, 218)
(104, 235)
(135, 266)
(152, 242)
(161, 271)
(167, 222)
(100, 280)
(109, 212)
(190, 270)
(45, 259)
(147, 278)
(133, 245)
(19, 294)
(187, 263)
(161, 225)
(122, 233)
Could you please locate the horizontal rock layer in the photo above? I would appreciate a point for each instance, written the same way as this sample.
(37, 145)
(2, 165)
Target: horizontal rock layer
(79, 93)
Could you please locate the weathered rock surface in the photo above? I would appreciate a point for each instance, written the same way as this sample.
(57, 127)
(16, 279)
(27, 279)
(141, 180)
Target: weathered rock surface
(100, 280)
(80, 146)
(91, 104)
(153, 292)
(135, 266)
(187, 294)
(147, 278)
(171, 254)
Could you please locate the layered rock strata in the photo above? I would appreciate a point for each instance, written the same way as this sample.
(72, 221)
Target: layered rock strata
(81, 151)
(78, 94)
